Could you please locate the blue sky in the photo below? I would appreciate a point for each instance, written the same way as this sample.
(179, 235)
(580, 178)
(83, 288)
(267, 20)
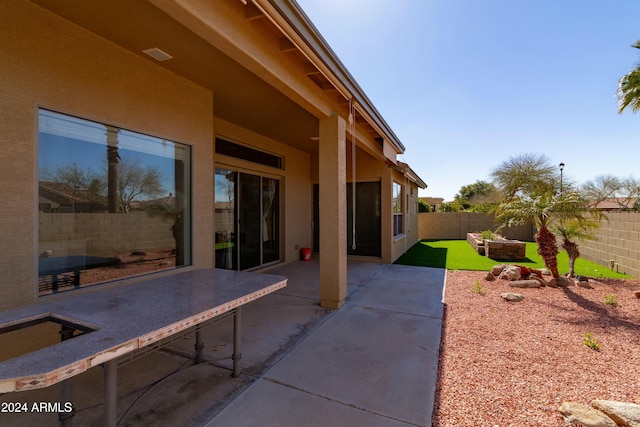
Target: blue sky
(466, 84)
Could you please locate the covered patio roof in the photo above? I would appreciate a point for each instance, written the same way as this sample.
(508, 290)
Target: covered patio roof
(229, 47)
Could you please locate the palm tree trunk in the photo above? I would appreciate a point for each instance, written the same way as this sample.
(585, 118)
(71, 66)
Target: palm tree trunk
(573, 252)
(548, 249)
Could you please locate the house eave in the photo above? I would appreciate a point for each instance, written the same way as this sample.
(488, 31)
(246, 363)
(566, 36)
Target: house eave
(297, 26)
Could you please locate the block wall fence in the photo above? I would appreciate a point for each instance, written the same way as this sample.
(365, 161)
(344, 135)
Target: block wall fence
(456, 225)
(618, 244)
(102, 234)
(617, 247)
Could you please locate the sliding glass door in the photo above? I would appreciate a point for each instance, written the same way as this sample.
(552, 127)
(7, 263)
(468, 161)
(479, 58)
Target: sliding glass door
(247, 217)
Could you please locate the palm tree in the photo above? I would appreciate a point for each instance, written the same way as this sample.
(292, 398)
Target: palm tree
(544, 210)
(573, 230)
(629, 88)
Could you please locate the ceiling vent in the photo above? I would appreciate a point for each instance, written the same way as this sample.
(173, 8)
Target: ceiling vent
(157, 54)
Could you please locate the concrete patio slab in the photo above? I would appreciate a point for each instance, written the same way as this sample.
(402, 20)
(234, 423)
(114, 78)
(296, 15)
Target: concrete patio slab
(403, 297)
(271, 326)
(378, 354)
(268, 404)
(369, 358)
(373, 362)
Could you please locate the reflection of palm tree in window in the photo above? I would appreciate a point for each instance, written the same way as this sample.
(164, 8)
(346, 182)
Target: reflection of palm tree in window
(112, 168)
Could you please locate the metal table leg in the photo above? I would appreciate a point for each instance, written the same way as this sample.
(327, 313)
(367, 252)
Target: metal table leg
(66, 387)
(199, 347)
(237, 354)
(110, 393)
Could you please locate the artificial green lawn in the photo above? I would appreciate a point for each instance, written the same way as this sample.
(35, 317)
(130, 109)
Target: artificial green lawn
(459, 255)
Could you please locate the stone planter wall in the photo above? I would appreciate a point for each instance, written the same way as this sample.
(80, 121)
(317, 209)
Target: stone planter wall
(476, 242)
(508, 250)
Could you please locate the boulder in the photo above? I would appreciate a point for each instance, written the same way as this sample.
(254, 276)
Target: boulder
(511, 272)
(583, 284)
(525, 284)
(624, 414)
(490, 277)
(497, 269)
(524, 270)
(538, 272)
(560, 281)
(512, 297)
(534, 276)
(578, 414)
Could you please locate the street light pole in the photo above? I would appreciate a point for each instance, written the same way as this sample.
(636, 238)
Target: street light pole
(561, 166)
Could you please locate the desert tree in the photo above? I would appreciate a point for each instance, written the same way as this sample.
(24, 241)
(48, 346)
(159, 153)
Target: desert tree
(529, 183)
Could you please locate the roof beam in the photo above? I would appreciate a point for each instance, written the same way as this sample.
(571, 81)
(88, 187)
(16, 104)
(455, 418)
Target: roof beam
(252, 12)
(287, 46)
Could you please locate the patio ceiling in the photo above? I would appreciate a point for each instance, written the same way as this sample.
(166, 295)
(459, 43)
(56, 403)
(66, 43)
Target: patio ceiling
(240, 96)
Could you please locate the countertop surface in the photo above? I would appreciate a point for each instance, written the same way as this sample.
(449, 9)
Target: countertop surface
(127, 317)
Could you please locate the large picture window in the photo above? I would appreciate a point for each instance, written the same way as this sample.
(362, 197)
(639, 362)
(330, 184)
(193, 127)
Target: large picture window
(396, 201)
(112, 203)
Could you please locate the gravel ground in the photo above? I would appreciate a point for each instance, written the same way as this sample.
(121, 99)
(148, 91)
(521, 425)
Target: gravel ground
(514, 363)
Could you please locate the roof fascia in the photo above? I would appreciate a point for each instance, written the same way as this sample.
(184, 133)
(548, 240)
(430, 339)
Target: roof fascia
(301, 31)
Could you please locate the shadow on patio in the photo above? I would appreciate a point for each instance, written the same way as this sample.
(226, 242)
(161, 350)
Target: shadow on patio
(373, 362)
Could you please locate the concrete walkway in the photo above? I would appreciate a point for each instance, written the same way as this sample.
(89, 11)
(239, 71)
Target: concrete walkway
(374, 362)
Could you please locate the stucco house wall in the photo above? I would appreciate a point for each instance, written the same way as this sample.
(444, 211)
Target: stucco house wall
(278, 97)
(48, 62)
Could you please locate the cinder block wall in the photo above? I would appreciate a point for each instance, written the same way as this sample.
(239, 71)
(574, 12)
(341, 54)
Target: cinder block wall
(456, 225)
(618, 241)
(102, 234)
(618, 237)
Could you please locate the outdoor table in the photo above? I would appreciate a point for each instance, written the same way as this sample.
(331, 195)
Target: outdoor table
(124, 319)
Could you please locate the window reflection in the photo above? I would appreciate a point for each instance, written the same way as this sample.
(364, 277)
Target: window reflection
(112, 203)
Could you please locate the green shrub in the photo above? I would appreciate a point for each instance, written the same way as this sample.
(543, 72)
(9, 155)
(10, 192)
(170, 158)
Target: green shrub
(611, 300)
(591, 342)
(487, 235)
(478, 288)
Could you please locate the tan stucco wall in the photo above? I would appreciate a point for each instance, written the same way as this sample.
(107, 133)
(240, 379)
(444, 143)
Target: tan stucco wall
(369, 169)
(296, 188)
(47, 62)
(618, 241)
(403, 243)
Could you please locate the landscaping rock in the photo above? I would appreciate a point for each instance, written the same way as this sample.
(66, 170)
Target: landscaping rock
(560, 281)
(624, 414)
(534, 276)
(510, 272)
(577, 414)
(497, 269)
(525, 284)
(490, 277)
(524, 270)
(584, 284)
(637, 294)
(512, 297)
